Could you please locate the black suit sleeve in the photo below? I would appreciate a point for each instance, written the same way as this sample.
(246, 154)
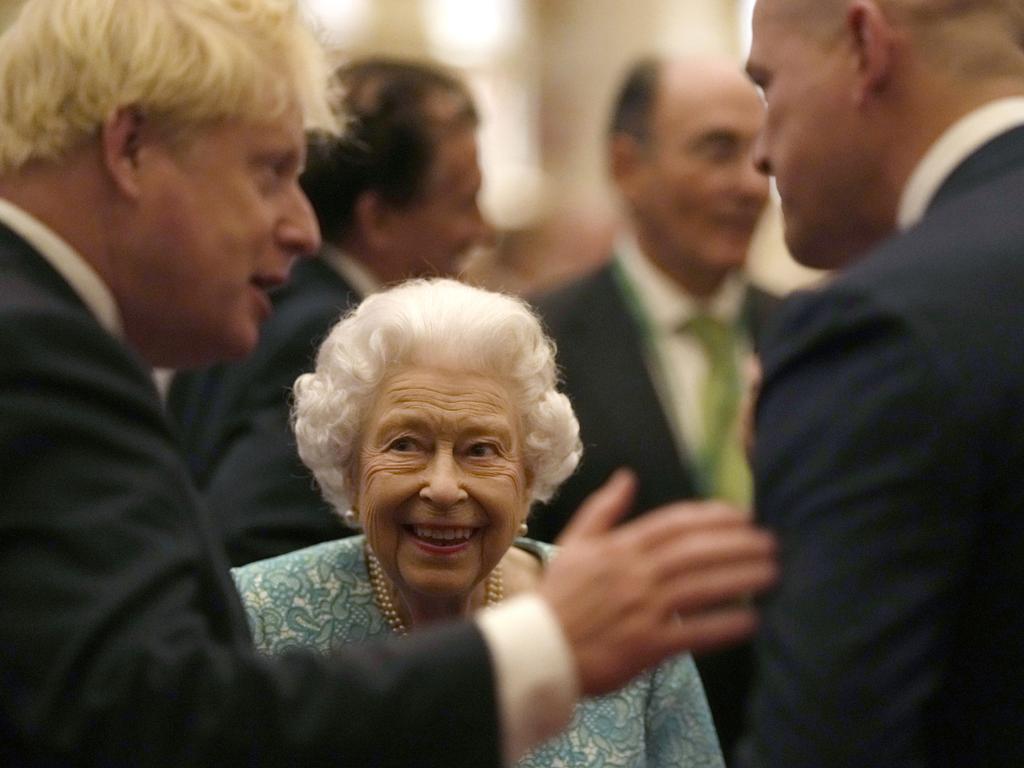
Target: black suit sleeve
(122, 640)
(853, 451)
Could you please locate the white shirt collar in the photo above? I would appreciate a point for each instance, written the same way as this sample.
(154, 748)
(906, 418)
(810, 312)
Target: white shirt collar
(953, 147)
(352, 271)
(666, 305)
(78, 273)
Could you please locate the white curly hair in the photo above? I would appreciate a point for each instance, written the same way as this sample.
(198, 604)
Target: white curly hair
(436, 322)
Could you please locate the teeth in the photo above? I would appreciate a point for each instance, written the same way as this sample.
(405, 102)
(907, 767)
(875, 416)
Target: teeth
(442, 534)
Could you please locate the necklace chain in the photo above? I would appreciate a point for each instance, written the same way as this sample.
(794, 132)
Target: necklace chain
(494, 592)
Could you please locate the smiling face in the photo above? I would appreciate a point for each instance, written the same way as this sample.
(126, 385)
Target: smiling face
(441, 486)
(217, 223)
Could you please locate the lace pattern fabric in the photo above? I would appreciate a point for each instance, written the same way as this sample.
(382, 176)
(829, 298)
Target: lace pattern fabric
(321, 598)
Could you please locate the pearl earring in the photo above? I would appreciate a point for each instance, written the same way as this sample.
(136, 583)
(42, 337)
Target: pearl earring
(523, 528)
(351, 518)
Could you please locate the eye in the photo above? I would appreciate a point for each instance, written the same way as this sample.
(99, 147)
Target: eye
(719, 147)
(482, 450)
(268, 180)
(403, 444)
(275, 171)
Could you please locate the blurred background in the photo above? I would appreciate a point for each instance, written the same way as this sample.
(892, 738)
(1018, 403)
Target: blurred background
(544, 73)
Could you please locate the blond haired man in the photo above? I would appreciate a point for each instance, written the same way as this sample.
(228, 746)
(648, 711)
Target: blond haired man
(149, 161)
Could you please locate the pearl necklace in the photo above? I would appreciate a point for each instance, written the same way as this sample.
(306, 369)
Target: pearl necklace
(494, 592)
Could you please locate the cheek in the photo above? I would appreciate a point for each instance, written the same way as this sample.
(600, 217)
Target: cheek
(504, 491)
(383, 486)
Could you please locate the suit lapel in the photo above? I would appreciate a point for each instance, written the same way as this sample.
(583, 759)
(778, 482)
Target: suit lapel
(627, 395)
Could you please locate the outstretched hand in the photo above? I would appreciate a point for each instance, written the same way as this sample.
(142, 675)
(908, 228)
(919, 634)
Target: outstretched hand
(676, 579)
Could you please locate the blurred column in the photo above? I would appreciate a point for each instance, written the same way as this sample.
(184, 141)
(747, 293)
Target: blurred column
(397, 26)
(8, 9)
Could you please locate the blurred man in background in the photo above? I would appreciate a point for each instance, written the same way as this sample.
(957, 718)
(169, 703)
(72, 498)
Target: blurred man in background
(654, 345)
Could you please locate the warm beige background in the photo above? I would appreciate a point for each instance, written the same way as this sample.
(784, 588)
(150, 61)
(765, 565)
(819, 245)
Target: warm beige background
(544, 72)
(545, 85)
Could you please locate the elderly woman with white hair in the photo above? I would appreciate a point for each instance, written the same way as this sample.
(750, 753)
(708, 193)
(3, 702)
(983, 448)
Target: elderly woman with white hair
(433, 421)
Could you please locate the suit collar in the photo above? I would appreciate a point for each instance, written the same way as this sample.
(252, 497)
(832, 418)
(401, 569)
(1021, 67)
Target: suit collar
(353, 272)
(67, 262)
(959, 143)
(664, 304)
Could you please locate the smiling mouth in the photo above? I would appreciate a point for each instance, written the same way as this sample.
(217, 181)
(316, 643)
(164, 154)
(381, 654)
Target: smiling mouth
(441, 536)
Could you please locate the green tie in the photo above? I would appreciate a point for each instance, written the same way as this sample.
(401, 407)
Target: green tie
(722, 461)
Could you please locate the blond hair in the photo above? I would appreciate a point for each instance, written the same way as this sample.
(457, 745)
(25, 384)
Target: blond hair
(67, 65)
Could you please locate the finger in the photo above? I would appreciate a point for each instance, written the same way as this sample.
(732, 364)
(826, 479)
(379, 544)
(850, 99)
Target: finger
(678, 521)
(711, 630)
(700, 550)
(603, 508)
(716, 587)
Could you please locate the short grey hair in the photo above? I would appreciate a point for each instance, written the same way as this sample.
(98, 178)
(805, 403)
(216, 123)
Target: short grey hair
(437, 322)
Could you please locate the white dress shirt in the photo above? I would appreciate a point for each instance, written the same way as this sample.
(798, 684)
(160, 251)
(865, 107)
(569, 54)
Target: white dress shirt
(953, 147)
(676, 360)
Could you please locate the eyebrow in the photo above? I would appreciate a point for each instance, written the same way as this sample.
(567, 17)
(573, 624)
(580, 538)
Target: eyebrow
(408, 419)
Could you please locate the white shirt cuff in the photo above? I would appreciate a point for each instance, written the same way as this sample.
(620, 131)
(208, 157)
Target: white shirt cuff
(534, 670)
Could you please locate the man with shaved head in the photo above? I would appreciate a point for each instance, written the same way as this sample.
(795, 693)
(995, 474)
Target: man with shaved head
(891, 422)
(653, 345)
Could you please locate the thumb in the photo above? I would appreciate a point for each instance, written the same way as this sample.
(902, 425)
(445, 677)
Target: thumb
(603, 508)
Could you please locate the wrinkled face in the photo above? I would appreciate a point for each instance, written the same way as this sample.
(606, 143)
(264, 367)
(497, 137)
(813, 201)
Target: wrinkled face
(218, 222)
(439, 229)
(442, 487)
(695, 194)
(826, 158)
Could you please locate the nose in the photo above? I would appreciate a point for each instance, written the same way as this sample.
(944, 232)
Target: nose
(486, 235)
(753, 183)
(761, 162)
(442, 485)
(299, 232)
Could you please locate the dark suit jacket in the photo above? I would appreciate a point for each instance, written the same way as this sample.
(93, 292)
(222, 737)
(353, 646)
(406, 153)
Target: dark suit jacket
(601, 357)
(234, 424)
(122, 639)
(890, 460)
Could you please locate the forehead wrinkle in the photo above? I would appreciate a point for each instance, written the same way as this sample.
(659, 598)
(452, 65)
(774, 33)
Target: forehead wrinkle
(420, 406)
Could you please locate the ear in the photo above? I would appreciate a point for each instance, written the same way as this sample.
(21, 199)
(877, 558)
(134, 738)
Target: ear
(353, 488)
(627, 160)
(373, 219)
(873, 39)
(120, 141)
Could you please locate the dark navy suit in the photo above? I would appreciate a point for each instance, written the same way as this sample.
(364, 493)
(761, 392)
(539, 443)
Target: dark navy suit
(890, 460)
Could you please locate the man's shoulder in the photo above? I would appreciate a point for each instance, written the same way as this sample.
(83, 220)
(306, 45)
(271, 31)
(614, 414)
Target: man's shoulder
(44, 323)
(579, 298)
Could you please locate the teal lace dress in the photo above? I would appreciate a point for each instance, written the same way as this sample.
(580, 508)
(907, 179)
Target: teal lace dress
(321, 598)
